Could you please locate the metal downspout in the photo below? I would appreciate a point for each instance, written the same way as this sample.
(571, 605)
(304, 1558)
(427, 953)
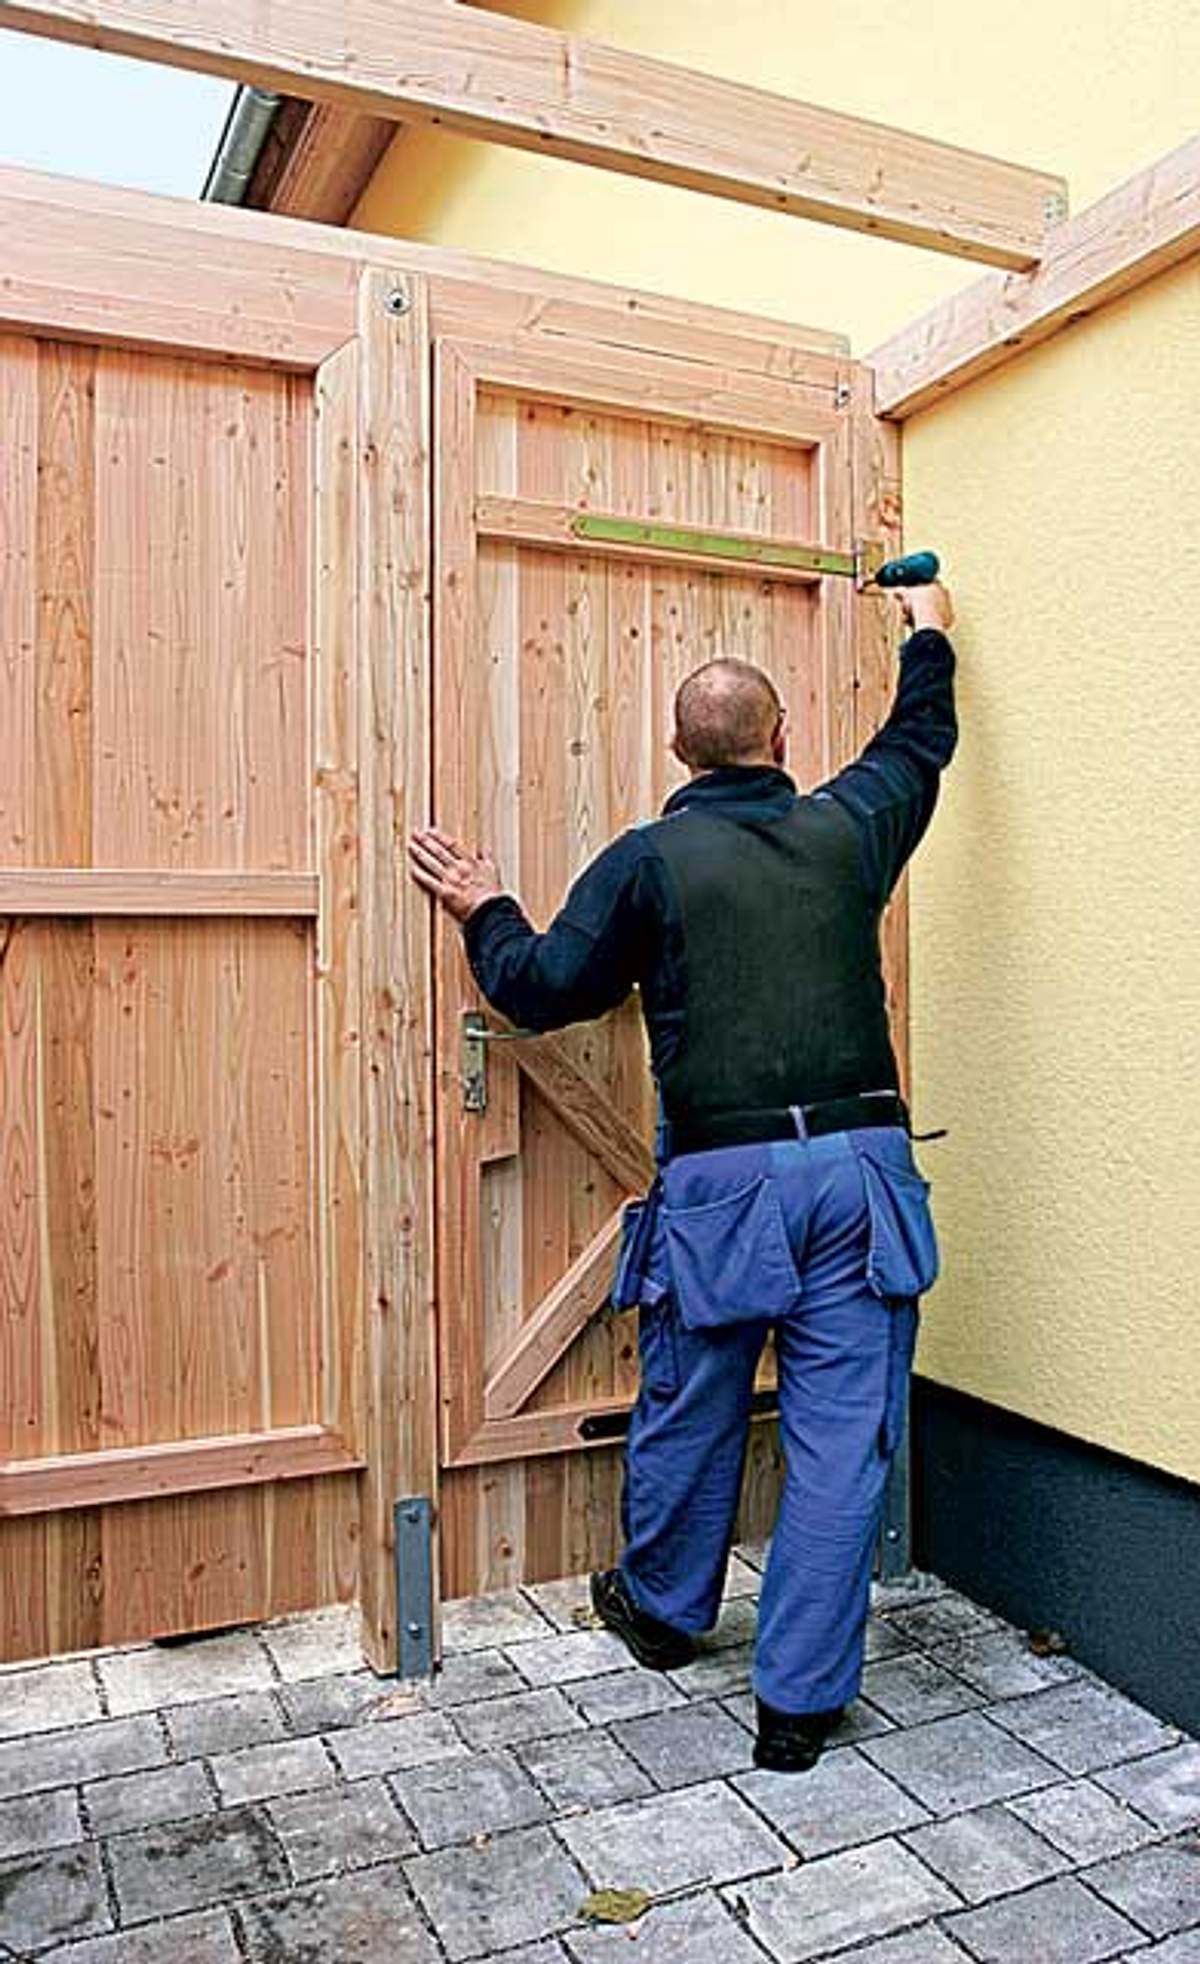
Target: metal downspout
(247, 125)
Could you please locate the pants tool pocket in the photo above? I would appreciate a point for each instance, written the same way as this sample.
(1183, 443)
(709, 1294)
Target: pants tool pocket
(730, 1260)
(902, 1252)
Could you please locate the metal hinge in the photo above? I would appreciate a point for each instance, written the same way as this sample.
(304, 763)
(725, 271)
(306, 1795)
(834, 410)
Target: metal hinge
(476, 1037)
(413, 1536)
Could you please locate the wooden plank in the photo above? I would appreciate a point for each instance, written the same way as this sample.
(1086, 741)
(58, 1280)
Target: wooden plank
(395, 706)
(557, 1321)
(668, 389)
(121, 1473)
(532, 522)
(60, 890)
(536, 88)
(1146, 225)
(337, 850)
(134, 240)
(318, 160)
(587, 1115)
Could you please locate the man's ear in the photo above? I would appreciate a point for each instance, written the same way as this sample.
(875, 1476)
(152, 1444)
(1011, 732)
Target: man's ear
(677, 751)
(779, 741)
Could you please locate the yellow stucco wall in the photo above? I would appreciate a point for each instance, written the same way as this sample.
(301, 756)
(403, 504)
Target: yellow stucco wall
(1056, 904)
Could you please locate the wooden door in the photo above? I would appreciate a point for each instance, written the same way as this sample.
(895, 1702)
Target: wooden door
(198, 942)
(556, 660)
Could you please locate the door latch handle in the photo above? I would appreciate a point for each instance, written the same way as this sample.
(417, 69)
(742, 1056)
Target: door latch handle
(476, 1037)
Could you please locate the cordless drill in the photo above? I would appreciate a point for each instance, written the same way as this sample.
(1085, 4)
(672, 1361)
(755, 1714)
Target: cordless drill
(914, 569)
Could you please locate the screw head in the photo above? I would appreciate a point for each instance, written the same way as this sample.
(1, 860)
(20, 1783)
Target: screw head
(414, 1630)
(396, 301)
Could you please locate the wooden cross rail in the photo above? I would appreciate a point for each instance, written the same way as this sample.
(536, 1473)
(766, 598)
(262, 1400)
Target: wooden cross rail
(535, 88)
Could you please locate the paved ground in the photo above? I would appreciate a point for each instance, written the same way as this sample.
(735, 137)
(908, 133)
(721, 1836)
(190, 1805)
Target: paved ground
(260, 1796)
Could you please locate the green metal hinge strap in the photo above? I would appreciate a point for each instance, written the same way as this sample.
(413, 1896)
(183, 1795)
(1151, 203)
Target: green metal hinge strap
(715, 545)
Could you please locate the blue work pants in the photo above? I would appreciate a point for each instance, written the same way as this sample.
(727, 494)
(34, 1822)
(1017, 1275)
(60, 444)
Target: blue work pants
(827, 1242)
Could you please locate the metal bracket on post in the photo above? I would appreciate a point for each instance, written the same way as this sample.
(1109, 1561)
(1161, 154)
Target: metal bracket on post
(413, 1536)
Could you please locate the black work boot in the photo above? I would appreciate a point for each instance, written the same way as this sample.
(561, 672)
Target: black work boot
(791, 1742)
(654, 1644)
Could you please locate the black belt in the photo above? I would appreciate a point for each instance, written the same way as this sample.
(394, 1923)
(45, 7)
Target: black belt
(706, 1132)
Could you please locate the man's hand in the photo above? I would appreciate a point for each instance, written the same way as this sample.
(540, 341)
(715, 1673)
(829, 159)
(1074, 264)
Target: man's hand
(461, 880)
(926, 606)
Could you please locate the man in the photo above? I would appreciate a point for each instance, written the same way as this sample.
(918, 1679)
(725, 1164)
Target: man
(787, 1196)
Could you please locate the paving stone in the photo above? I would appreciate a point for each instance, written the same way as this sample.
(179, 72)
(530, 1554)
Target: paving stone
(913, 1689)
(203, 1939)
(49, 1898)
(1158, 1887)
(1083, 1821)
(715, 1673)
(138, 1800)
(481, 1795)
(33, 1822)
(698, 1742)
(567, 1603)
(1083, 1726)
(956, 1763)
(1001, 1664)
(550, 1952)
(340, 1828)
(392, 1743)
(473, 1675)
(858, 1721)
(700, 1834)
(512, 1890)
(737, 1623)
(740, 1579)
(322, 1643)
(1166, 1787)
(1183, 1949)
(698, 1930)
(942, 1619)
(627, 1694)
(880, 1640)
(215, 1859)
(359, 1919)
(486, 1622)
(753, 1553)
(588, 1771)
(47, 1697)
(987, 1853)
(222, 1725)
(87, 1752)
(328, 1704)
(1054, 1923)
(841, 1899)
(843, 1800)
(524, 1715)
(183, 1674)
(924, 1946)
(917, 1586)
(286, 1766)
(575, 1654)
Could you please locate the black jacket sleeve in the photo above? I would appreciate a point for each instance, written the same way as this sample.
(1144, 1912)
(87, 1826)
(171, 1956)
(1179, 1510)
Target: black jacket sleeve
(587, 960)
(892, 788)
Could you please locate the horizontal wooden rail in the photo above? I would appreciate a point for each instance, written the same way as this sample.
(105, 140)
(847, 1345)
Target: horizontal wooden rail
(106, 890)
(1148, 224)
(99, 1479)
(536, 88)
(525, 521)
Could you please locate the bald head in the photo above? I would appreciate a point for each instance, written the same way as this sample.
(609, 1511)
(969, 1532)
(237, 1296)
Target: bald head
(727, 713)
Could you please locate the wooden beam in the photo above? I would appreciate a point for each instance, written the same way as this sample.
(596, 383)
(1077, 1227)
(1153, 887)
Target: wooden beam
(317, 161)
(129, 890)
(43, 1486)
(558, 1319)
(536, 88)
(1148, 224)
(574, 1099)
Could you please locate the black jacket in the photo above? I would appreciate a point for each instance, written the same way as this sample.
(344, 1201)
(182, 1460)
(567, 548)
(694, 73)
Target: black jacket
(629, 917)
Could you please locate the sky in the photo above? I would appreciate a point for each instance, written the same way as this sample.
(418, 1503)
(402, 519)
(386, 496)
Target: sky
(84, 114)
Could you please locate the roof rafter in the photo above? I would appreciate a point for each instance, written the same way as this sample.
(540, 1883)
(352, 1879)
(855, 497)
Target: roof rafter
(537, 88)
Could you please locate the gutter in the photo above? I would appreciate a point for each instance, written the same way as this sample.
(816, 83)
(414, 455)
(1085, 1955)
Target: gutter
(247, 126)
